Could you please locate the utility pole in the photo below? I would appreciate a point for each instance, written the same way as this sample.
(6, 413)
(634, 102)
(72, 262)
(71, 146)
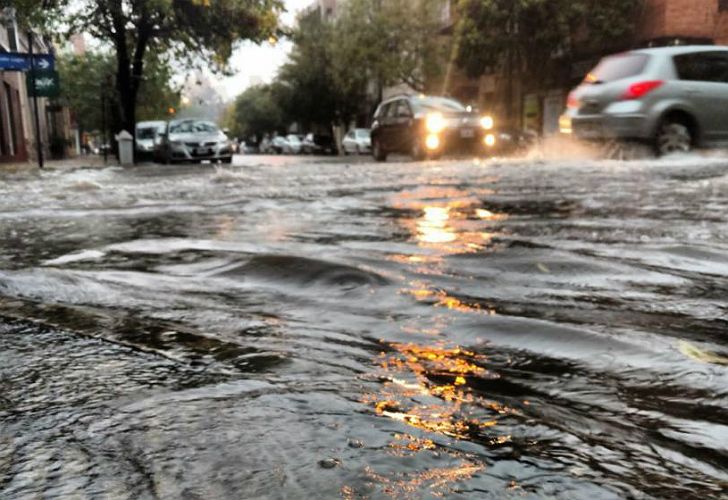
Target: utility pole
(38, 141)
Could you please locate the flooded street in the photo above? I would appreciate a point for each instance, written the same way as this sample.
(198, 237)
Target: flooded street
(303, 328)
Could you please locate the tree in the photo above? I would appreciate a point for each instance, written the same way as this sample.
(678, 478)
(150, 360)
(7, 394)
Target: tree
(387, 42)
(255, 112)
(305, 89)
(194, 32)
(523, 36)
(88, 80)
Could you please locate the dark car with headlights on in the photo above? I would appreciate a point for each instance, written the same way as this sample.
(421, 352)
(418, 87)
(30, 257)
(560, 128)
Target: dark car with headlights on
(193, 141)
(428, 127)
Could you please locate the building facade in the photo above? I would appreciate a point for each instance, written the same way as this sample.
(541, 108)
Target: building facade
(17, 126)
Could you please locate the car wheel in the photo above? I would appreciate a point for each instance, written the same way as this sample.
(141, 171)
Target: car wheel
(227, 160)
(417, 152)
(673, 136)
(378, 152)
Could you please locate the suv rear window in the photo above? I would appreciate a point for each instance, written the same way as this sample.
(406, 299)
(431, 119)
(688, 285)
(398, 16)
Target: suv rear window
(437, 104)
(617, 67)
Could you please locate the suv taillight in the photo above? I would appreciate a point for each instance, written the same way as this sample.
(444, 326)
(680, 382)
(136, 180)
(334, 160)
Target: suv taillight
(641, 89)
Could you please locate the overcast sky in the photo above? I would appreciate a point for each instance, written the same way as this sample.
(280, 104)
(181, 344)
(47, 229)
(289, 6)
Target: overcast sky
(252, 61)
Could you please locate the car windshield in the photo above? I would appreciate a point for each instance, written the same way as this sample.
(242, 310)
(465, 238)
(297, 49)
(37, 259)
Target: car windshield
(442, 104)
(146, 133)
(192, 127)
(362, 133)
(617, 67)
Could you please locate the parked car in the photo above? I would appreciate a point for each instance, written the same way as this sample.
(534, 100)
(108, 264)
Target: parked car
(278, 145)
(673, 98)
(293, 145)
(429, 126)
(193, 141)
(318, 144)
(147, 135)
(357, 141)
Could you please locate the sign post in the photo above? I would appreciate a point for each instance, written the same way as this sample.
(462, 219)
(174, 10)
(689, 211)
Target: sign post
(32, 75)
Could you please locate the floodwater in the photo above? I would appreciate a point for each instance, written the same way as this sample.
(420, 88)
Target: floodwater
(289, 328)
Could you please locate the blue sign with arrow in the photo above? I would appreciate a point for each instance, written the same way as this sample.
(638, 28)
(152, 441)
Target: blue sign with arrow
(44, 62)
(14, 61)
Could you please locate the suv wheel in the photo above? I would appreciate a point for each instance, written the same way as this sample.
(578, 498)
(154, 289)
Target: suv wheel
(377, 151)
(673, 136)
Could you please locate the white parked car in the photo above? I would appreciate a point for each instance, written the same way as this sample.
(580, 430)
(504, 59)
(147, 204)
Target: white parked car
(357, 141)
(293, 145)
(148, 135)
(278, 145)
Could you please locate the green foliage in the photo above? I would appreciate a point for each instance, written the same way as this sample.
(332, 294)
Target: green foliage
(390, 42)
(84, 79)
(87, 80)
(255, 112)
(337, 69)
(305, 88)
(531, 32)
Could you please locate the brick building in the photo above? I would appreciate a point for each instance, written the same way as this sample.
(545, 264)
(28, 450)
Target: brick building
(703, 21)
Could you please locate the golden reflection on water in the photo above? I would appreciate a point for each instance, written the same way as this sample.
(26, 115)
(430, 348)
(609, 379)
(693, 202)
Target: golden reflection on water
(428, 388)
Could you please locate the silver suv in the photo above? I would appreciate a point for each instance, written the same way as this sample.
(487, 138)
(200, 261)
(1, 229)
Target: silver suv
(674, 98)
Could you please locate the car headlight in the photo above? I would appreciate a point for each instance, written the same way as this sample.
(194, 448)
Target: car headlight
(487, 122)
(434, 123)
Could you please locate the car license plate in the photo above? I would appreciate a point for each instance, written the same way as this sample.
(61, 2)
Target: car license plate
(202, 151)
(467, 133)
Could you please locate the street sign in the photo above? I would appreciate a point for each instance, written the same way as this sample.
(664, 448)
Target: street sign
(12, 61)
(44, 62)
(47, 83)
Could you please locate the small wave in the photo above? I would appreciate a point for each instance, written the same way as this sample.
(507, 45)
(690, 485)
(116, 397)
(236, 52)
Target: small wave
(85, 185)
(75, 257)
(225, 176)
(305, 271)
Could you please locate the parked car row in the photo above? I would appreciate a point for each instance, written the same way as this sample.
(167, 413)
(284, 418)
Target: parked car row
(357, 141)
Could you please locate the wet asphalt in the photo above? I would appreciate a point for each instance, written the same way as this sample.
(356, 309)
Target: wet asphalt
(287, 327)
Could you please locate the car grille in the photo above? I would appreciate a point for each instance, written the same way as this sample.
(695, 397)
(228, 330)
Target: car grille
(192, 144)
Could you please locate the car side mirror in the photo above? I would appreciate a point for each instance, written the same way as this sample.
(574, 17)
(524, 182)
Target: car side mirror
(226, 131)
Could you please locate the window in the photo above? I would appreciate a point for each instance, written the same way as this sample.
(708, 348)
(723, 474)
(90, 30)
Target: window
(613, 68)
(441, 104)
(703, 67)
(12, 36)
(391, 109)
(403, 109)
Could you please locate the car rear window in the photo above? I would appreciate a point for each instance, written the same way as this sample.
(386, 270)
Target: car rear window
(442, 104)
(617, 67)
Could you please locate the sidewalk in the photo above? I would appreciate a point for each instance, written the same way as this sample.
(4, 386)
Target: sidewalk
(83, 161)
